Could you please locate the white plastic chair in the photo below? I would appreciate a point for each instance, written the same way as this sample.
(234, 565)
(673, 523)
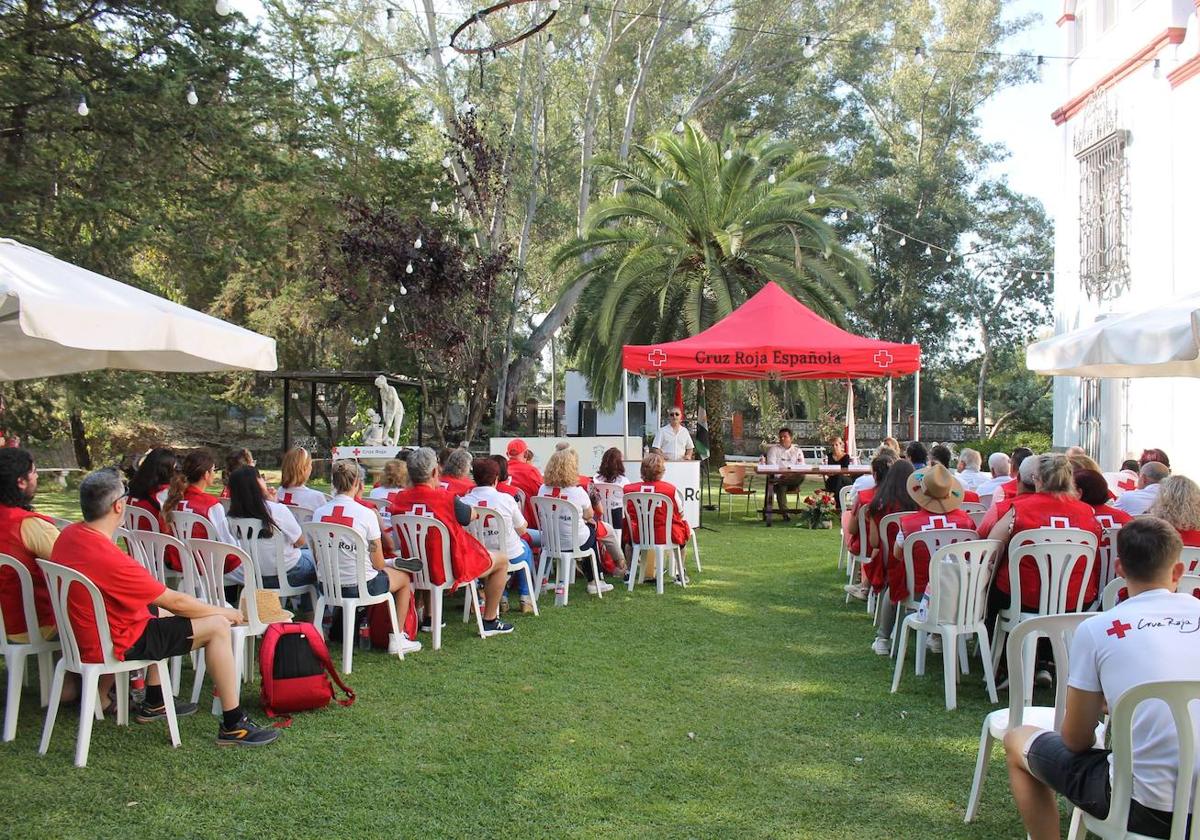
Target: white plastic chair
(16, 652)
(1190, 557)
(976, 511)
(302, 514)
(1056, 553)
(1179, 697)
(1112, 591)
(328, 541)
(493, 530)
(184, 525)
(60, 580)
(268, 556)
(149, 550)
(646, 508)
(612, 497)
(846, 497)
(932, 540)
(380, 505)
(857, 562)
(412, 534)
(889, 524)
(959, 574)
(60, 523)
(1106, 555)
(139, 519)
(552, 513)
(1021, 644)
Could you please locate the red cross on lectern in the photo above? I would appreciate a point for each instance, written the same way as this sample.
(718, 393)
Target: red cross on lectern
(883, 358)
(355, 451)
(337, 516)
(657, 357)
(1119, 629)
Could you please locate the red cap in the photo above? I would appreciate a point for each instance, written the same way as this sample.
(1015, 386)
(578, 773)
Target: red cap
(515, 447)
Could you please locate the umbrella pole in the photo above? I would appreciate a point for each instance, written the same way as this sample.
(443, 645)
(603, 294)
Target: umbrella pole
(625, 401)
(889, 406)
(917, 405)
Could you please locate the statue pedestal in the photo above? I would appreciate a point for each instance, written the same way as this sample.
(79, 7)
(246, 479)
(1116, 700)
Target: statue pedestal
(366, 453)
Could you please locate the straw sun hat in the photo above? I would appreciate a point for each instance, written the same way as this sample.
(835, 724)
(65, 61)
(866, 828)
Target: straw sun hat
(935, 489)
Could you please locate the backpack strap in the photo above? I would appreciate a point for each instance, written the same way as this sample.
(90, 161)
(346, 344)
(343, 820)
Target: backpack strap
(321, 650)
(349, 699)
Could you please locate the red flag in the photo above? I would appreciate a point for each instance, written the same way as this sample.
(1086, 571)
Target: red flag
(679, 395)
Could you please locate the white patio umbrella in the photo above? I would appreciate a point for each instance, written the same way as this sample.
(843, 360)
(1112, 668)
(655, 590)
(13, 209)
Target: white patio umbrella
(1162, 341)
(58, 318)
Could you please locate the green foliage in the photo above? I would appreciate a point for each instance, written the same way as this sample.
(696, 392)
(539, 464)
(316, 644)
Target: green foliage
(1039, 442)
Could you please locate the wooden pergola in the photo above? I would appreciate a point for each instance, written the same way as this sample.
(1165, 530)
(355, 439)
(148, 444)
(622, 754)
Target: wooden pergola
(338, 377)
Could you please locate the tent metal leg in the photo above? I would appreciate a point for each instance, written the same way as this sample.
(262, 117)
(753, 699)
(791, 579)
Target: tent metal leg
(917, 405)
(889, 406)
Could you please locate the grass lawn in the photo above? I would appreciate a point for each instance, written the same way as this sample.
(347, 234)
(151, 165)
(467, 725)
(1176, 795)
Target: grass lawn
(747, 705)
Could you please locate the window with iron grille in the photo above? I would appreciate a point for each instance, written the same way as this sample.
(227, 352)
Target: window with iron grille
(1103, 200)
(1089, 417)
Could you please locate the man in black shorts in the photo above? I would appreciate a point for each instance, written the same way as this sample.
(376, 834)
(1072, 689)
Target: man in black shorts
(1149, 637)
(128, 591)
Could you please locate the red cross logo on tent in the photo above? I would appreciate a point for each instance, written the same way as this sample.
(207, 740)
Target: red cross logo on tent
(657, 357)
(338, 517)
(1118, 629)
(884, 359)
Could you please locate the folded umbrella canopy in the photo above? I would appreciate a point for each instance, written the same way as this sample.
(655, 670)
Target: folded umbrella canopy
(1162, 341)
(58, 318)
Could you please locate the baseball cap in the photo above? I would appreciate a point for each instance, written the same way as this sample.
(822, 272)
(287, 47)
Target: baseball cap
(515, 447)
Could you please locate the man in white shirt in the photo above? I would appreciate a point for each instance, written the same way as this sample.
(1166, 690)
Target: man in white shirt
(673, 440)
(1138, 501)
(784, 454)
(969, 476)
(1001, 467)
(1149, 637)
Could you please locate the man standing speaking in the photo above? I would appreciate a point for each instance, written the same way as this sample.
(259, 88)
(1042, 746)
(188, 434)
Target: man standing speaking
(673, 440)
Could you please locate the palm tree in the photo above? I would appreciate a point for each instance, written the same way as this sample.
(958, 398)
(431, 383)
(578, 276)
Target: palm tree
(699, 227)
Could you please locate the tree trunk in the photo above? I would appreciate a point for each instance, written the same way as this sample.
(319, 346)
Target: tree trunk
(83, 457)
(716, 406)
(983, 369)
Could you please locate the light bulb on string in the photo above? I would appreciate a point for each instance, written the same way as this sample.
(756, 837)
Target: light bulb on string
(919, 54)
(1041, 68)
(83, 109)
(679, 127)
(446, 162)
(433, 206)
(408, 269)
(384, 321)
(949, 257)
(1157, 72)
(1046, 276)
(428, 54)
(928, 252)
(903, 241)
(586, 19)
(812, 197)
(403, 289)
(809, 49)
(771, 179)
(555, 5)
(845, 215)
(192, 98)
(619, 90)
(418, 243)
(223, 7)
(689, 35)
(728, 155)
(875, 229)
(391, 21)
(392, 307)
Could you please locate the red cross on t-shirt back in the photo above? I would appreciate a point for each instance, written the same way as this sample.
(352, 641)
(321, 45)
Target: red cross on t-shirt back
(936, 522)
(285, 498)
(337, 516)
(1119, 629)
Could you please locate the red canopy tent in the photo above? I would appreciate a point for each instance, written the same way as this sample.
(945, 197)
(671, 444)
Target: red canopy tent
(774, 336)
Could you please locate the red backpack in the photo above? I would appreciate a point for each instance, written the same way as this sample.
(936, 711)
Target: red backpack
(296, 669)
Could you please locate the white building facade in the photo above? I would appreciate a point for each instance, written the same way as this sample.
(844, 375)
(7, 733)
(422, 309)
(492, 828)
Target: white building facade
(583, 417)
(1128, 235)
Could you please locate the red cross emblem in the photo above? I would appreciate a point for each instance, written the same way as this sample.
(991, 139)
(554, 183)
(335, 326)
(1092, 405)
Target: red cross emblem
(1127, 484)
(884, 359)
(355, 451)
(1105, 520)
(419, 510)
(1060, 522)
(1119, 629)
(337, 516)
(285, 498)
(657, 357)
(936, 522)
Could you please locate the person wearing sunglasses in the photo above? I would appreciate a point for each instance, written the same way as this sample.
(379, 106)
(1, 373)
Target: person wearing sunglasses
(673, 440)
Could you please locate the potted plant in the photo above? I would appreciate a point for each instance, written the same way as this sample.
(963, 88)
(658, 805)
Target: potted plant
(817, 508)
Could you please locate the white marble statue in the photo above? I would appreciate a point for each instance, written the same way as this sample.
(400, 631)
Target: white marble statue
(393, 411)
(373, 433)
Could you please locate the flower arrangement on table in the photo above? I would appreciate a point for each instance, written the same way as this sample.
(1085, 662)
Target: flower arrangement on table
(817, 508)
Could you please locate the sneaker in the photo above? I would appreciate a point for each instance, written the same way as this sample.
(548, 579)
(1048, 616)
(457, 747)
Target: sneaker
(934, 643)
(426, 625)
(1042, 678)
(145, 713)
(402, 644)
(407, 564)
(682, 580)
(496, 627)
(855, 590)
(245, 733)
(599, 586)
(527, 606)
(881, 647)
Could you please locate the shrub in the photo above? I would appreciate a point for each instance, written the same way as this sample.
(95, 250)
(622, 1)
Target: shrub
(1037, 441)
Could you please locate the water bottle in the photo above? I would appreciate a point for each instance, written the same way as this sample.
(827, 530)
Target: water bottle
(137, 687)
(364, 633)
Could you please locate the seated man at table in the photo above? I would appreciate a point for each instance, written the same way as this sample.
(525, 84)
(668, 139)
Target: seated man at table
(1143, 639)
(128, 591)
(784, 454)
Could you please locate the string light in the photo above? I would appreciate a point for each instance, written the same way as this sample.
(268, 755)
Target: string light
(771, 178)
(83, 109)
(391, 21)
(1041, 68)
(392, 307)
(728, 154)
(550, 44)
(949, 257)
(223, 8)
(433, 206)
(812, 197)
(446, 162)
(845, 216)
(384, 321)
(408, 269)
(1157, 72)
(418, 243)
(403, 290)
(903, 241)
(619, 90)
(809, 49)
(689, 35)
(586, 19)
(679, 126)
(919, 54)
(875, 229)
(192, 98)
(928, 252)
(555, 5)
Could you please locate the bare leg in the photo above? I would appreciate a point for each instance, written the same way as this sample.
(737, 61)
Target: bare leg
(212, 634)
(399, 584)
(1035, 800)
(495, 580)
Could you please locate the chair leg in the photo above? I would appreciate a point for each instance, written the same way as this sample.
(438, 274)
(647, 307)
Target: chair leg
(634, 556)
(529, 586)
(198, 679)
(435, 607)
(985, 656)
(981, 768)
(950, 670)
(122, 685)
(164, 676)
(964, 664)
(56, 686)
(395, 619)
(592, 558)
(1076, 830)
(176, 674)
(467, 602)
(87, 711)
(900, 655)
(922, 648)
(319, 615)
(348, 639)
(12, 705)
(474, 595)
(897, 624)
(695, 554)
(45, 672)
(562, 580)
(659, 564)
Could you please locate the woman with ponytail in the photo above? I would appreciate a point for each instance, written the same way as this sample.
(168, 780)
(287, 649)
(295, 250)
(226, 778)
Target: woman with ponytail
(187, 493)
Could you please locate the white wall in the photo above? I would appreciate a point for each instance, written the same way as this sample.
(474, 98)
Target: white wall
(611, 422)
(1164, 226)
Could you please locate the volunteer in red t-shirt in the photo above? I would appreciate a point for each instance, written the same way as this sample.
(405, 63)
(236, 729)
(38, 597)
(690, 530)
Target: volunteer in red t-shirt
(25, 536)
(880, 465)
(235, 459)
(148, 491)
(128, 591)
(188, 493)
(890, 496)
(1055, 504)
(456, 473)
(939, 495)
(1093, 490)
(524, 475)
(654, 465)
(468, 557)
(1178, 502)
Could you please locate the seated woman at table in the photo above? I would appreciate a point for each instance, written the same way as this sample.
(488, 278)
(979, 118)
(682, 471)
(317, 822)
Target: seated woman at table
(1178, 502)
(890, 496)
(838, 456)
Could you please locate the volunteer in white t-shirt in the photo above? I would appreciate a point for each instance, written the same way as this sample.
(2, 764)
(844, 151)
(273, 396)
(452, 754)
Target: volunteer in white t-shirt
(673, 440)
(486, 473)
(295, 471)
(345, 509)
(1149, 637)
(248, 493)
